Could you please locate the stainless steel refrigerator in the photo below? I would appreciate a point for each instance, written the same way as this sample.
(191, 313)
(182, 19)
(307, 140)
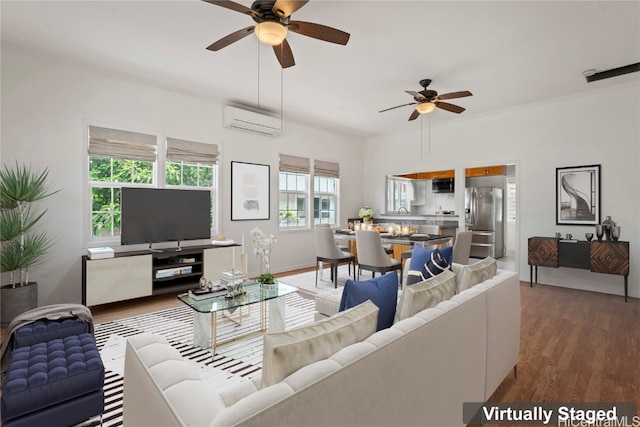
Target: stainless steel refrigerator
(484, 217)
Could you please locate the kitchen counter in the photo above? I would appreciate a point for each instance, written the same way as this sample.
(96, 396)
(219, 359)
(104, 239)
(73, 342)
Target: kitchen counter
(445, 221)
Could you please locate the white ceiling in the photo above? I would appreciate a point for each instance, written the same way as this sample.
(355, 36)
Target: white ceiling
(506, 53)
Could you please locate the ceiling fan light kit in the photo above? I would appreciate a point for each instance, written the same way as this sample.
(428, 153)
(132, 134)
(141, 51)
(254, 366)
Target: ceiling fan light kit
(270, 33)
(425, 107)
(427, 100)
(273, 21)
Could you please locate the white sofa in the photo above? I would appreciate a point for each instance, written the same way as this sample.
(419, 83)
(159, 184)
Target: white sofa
(419, 372)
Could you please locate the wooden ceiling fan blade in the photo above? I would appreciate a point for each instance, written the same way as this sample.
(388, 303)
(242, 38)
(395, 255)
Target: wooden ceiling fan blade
(453, 95)
(232, 5)
(231, 38)
(397, 106)
(320, 32)
(414, 115)
(284, 8)
(284, 54)
(449, 107)
(415, 94)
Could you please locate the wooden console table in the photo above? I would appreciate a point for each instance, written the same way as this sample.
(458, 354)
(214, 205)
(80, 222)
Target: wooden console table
(597, 256)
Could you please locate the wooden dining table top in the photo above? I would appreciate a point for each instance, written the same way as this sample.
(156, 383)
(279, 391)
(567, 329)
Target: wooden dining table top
(400, 239)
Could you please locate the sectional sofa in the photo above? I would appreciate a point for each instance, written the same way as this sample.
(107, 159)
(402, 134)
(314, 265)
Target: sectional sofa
(418, 372)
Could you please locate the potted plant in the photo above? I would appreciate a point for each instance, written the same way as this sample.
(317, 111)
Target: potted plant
(262, 247)
(366, 213)
(22, 245)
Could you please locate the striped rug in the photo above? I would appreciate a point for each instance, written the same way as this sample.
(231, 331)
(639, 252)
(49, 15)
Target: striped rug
(242, 358)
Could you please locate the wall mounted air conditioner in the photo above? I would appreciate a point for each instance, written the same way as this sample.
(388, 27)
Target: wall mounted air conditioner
(249, 121)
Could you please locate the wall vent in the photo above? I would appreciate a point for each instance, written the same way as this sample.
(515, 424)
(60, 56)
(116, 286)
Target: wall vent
(250, 121)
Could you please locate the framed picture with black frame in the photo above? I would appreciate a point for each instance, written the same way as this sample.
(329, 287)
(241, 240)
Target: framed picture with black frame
(578, 195)
(250, 192)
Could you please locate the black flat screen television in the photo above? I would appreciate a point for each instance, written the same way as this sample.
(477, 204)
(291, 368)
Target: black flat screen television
(153, 215)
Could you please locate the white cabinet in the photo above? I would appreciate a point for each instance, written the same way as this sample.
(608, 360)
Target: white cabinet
(117, 279)
(220, 259)
(143, 274)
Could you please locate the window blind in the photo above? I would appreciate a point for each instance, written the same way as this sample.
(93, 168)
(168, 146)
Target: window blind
(189, 151)
(328, 169)
(120, 144)
(294, 164)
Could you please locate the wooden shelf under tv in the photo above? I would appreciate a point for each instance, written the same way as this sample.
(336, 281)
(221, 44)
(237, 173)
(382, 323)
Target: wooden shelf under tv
(132, 275)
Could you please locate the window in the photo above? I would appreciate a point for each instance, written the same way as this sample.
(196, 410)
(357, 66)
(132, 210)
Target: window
(193, 165)
(325, 192)
(293, 192)
(116, 159)
(120, 159)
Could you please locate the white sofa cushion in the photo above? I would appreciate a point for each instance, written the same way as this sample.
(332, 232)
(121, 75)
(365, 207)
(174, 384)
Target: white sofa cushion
(328, 302)
(286, 352)
(426, 294)
(470, 275)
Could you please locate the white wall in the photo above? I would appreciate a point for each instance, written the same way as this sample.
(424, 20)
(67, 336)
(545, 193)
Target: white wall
(601, 127)
(46, 106)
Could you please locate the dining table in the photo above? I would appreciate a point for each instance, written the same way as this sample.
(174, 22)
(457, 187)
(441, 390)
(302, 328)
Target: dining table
(401, 242)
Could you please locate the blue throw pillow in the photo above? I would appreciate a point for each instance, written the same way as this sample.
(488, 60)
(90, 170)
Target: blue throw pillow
(426, 263)
(381, 290)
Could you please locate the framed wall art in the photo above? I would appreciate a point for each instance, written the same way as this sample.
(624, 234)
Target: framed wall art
(250, 193)
(578, 195)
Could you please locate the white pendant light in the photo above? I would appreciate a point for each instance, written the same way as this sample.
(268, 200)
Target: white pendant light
(271, 33)
(425, 107)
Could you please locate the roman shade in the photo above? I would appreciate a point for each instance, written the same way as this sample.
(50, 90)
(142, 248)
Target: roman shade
(189, 151)
(294, 164)
(120, 144)
(328, 169)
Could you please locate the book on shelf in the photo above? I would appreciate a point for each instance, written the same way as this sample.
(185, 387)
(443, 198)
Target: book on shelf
(171, 272)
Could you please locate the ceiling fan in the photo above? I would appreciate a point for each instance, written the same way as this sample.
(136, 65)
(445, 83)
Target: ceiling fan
(273, 21)
(427, 100)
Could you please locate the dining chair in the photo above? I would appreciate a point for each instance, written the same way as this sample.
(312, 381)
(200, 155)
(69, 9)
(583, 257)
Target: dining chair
(342, 248)
(462, 247)
(372, 255)
(327, 251)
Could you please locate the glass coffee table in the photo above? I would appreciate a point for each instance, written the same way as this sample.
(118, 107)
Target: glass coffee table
(205, 310)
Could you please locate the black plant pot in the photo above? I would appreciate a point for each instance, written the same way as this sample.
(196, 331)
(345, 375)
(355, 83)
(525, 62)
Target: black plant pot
(15, 301)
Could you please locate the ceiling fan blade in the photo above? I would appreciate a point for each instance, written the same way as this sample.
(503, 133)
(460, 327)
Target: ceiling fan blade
(452, 95)
(415, 94)
(284, 54)
(284, 8)
(397, 106)
(414, 115)
(232, 5)
(320, 32)
(231, 38)
(449, 107)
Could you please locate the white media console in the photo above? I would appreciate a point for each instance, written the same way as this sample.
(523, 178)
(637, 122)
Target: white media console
(144, 273)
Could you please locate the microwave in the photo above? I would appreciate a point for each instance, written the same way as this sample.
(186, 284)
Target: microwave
(444, 185)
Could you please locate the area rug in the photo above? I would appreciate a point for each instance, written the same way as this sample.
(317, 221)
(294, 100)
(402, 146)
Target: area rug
(307, 281)
(239, 359)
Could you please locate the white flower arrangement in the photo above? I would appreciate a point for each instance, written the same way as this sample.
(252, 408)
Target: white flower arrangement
(366, 211)
(262, 247)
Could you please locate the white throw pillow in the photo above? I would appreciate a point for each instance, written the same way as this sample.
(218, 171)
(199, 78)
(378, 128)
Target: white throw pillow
(286, 352)
(426, 294)
(473, 274)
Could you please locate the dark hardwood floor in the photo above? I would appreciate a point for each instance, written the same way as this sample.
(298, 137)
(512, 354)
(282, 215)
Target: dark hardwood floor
(576, 346)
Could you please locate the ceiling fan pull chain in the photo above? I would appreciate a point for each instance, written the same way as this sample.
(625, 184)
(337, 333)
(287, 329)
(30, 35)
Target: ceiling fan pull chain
(258, 47)
(281, 94)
